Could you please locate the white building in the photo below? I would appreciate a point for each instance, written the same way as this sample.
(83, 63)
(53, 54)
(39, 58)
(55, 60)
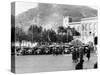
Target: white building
(66, 21)
(87, 27)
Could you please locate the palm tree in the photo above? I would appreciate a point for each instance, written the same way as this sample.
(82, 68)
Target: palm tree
(61, 30)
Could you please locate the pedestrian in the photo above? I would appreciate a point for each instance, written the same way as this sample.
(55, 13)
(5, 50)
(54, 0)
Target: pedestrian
(77, 54)
(88, 53)
(73, 54)
(81, 54)
(79, 65)
(95, 65)
(84, 49)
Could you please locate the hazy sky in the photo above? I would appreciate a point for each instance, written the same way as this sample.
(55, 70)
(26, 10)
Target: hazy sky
(24, 6)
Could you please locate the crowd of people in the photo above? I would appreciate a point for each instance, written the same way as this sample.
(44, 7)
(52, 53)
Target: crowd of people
(78, 56)
(78, 53)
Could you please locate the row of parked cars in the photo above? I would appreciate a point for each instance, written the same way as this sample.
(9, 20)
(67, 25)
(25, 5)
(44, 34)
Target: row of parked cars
(43, 50)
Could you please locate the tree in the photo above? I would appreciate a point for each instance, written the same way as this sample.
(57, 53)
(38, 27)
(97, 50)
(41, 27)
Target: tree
(20, 34)
(75, 32)
(51, 35)
(35, 32)
(66, 34)
(59, 38)
(35, 29)
(45, 36)
(61, 29)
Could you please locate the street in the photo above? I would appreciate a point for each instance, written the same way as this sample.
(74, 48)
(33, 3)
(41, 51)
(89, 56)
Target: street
(47, 63)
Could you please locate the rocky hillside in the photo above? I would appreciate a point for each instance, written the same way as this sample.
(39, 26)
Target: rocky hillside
(51, 15)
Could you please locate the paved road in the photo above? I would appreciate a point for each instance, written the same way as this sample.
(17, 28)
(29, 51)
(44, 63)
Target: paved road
(42, 63)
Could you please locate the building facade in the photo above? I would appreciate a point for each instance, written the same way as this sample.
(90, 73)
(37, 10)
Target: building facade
(87, 27)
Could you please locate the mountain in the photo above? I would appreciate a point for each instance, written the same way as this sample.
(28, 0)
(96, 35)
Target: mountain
(51, 15)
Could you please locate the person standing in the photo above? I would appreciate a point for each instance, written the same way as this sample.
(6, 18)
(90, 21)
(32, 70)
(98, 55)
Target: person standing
(73, 54)
(81, 54)
(88, 53)
(79, 65)
(77, 54)
(95, 65)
